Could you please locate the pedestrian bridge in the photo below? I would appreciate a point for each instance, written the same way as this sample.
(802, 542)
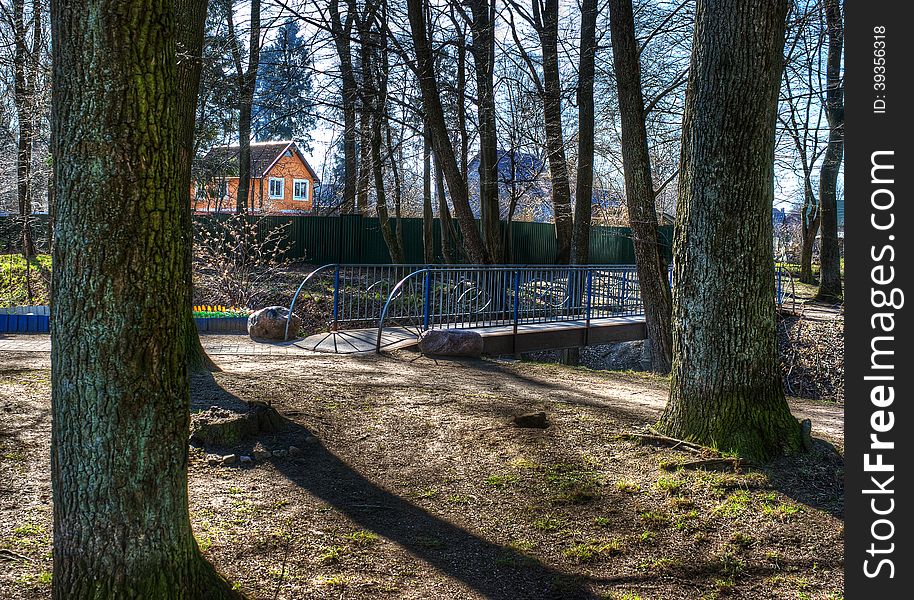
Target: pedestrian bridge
(516, 308)
(370, 308)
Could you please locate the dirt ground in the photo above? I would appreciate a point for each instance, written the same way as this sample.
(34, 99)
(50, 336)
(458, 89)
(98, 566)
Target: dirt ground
(408, 480)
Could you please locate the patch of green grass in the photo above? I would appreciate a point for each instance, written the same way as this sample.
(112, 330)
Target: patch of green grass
(523, 463)
(724, 586)
(602, 521)
(734, 505)
(727, 565)
(29, 529)
(522, 545)
(680, 503)
(548, 523)
(572, 484)
(742, 540)
(593, 550)
(655, 519)
(458, 499)
(331, 554)
(362, 538)
(629, 487)
(13, 286)
(427, 493)
(783, 511)
(501, 480)
(686, 521)
(647, 537)
(624, 596)
(334, 581)
(671, 485)
(42, 578)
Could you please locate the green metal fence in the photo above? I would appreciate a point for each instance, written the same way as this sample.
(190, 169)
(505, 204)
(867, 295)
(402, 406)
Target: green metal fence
(357, 239)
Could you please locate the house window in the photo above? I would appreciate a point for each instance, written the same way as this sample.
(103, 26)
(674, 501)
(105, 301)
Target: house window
(276, 187)
(300, 189)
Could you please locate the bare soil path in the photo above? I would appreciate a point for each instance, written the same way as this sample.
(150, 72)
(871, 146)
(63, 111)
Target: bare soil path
(408, 480)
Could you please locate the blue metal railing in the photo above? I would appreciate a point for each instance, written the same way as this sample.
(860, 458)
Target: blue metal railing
(492, 296)
(425, 297)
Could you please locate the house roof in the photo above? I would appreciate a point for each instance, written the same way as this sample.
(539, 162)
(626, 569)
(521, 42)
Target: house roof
(224, 159)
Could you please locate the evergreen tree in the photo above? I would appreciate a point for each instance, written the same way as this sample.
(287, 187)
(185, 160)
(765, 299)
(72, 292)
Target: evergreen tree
(283, 109)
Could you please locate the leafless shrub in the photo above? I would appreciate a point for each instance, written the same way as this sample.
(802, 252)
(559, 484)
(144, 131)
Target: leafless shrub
(239, 260)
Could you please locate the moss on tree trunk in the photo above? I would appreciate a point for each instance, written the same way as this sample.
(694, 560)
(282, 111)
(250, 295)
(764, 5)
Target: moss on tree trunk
(120, 396)
(726, 387)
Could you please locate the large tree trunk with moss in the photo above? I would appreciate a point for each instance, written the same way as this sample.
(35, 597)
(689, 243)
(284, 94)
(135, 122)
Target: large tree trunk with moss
(726, 388)
(189, 41)
(830, 257)
(639, 187)
(120, 396)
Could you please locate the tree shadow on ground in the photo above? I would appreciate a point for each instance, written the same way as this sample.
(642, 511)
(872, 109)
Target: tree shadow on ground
(814, 478)
(474, 561)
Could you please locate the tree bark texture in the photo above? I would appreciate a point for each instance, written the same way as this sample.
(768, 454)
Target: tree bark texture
(829, 255)
(726, 388)
(247, 84)
(548, 29)
(809, 230)
(120, 397)
(342, 31)
(444, 152)
(482, 27)
(583, 191)
(428, 216)
(639, 187)
(189, 42)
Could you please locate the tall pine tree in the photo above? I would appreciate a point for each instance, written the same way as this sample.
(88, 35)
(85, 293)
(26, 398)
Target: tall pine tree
(283, 107)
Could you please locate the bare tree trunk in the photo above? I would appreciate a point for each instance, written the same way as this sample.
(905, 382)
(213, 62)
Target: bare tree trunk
(247, 84)
(809, 230)
(552, 119)
(726, 388)
(830, 258)
(374, 91)
(639, 187)
(120, 395)
(441, 143)
(25, 73)
(189, 41)
(482, 27)
(448, 234)
(341, 31)
(428, 217)
(583, 201)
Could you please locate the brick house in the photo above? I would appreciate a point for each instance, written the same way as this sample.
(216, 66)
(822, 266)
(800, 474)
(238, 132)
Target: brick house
(282, 181)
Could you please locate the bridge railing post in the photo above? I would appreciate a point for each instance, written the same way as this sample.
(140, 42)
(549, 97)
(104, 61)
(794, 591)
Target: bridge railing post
(334, 324)
(426, 300)
(516, 286)
(588, 304)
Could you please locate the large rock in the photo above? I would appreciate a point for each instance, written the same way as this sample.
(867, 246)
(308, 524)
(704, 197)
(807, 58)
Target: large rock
(451, 342)
(270, 324)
